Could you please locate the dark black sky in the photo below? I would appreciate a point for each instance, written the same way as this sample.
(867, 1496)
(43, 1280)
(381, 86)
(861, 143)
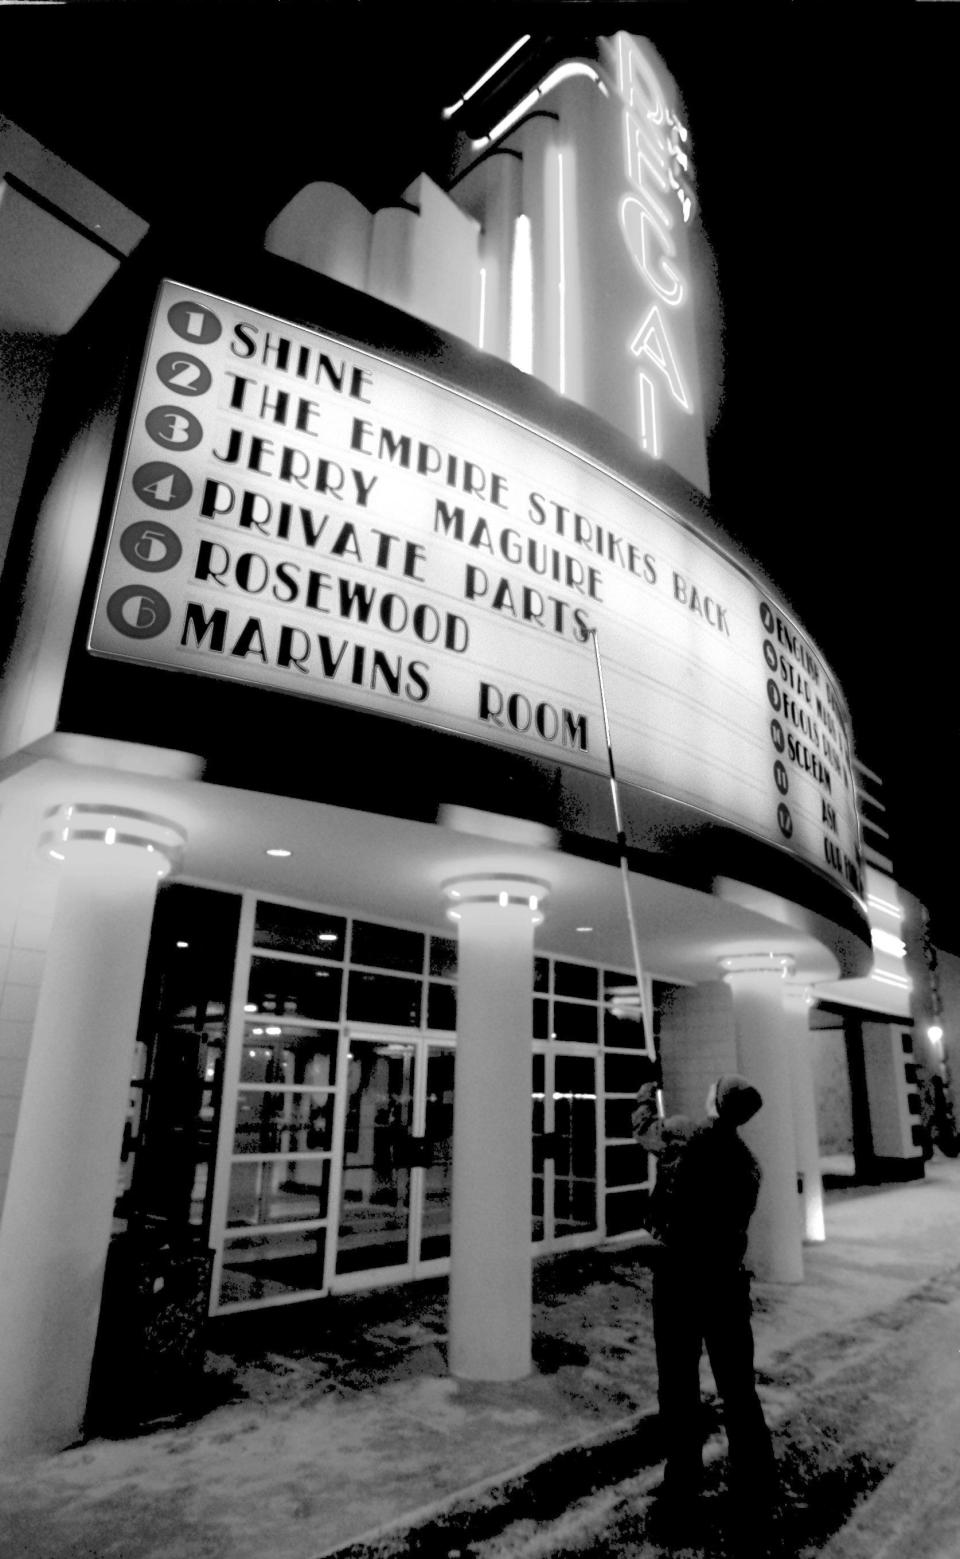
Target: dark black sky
(826, 142)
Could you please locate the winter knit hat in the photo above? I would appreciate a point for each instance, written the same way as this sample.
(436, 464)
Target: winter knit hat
(737, 1100)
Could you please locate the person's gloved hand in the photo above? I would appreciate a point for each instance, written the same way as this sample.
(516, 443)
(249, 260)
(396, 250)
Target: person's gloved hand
(647, 1094)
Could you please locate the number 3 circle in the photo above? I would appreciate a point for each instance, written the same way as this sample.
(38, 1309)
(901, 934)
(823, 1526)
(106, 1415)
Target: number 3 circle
(173, 427)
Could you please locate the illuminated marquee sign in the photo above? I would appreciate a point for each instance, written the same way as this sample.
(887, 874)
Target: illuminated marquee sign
(298, 514)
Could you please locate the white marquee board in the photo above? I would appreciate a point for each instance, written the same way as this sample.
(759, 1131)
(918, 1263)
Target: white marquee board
(297, 513)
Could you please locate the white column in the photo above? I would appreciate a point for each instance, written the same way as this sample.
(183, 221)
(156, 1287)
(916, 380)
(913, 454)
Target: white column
(490, 1251)
(756, 984)
(59, 1204)
(796, 1006)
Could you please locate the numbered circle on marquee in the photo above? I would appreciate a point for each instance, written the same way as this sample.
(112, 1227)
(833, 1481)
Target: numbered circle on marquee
(773, 695)
(777, 736)
(767, 617)
(174, 427)
(770, 655)
(780, 778)
(151, 546)
(785, 820)
(183, 373)
(193, 322)
(138, 611)
(162, 486)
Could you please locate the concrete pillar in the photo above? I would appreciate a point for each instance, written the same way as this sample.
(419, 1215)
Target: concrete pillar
(796, 1007)
(490, 1250)
(756, 984)
(63, 1173)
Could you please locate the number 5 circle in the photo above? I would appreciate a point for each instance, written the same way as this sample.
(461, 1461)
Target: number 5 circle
(173, 427)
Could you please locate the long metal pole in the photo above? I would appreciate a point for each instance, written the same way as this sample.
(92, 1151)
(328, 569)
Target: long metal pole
(648, 1041)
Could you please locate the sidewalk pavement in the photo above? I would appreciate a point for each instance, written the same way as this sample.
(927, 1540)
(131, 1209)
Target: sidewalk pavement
(334, 1428)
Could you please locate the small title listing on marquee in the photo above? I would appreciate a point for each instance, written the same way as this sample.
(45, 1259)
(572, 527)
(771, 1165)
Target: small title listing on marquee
(296, 513)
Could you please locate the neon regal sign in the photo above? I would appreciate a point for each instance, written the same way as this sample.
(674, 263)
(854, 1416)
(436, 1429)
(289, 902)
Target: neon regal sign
(653, 139)
(605, 194)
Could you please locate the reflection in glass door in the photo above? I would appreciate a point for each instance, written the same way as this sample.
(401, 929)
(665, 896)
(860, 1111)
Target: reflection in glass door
(438, 1157)
(395, 1181)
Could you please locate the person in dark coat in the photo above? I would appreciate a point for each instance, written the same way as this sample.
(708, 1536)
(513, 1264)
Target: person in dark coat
(704, 1197)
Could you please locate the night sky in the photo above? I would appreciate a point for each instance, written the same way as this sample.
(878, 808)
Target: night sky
(825, 152)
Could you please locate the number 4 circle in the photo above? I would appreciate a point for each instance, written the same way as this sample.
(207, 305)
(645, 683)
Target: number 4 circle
(162, 486)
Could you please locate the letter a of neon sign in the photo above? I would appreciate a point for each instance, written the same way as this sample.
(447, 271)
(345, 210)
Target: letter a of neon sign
(652, 341)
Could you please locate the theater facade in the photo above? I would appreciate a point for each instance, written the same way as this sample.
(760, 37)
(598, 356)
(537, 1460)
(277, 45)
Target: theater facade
(400, 765)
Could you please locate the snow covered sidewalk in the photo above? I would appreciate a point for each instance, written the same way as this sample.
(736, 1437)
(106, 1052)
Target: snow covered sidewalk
(340, 1438)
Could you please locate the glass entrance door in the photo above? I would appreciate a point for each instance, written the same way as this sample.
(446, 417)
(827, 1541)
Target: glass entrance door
(395, 1178)
(565, 1191)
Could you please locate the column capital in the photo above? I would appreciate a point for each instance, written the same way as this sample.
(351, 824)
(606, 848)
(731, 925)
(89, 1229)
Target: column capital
(508, 890)
(799, 991)
(779, 964)
(107, 839)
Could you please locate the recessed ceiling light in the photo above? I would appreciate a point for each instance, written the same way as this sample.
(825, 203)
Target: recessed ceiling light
(327, 936)
(584, 928)
(183, 944)
(279, 851)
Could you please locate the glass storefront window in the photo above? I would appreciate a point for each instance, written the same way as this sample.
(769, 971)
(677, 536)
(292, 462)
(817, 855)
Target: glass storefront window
(441, 1006)
(624, 1074)
(272, 1054)
(575, 1021)
(286, 929)
(580, 980)
(165, 1177)
(383, 998)
(286, 1122)
(617, 1113)
(294, 1190)
(281, 988)
(626, 1165)
(391, 1127)
(541, 1018)
(623, 1033)
(443, 957)
(386, 947)
(269, 1266)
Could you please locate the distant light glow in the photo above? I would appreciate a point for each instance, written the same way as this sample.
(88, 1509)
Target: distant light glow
(935, 1033)
(183, 944)
(110, 837)
(278, 852)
